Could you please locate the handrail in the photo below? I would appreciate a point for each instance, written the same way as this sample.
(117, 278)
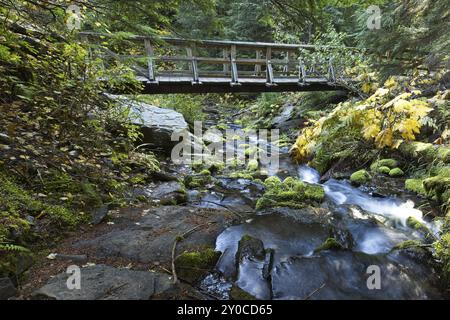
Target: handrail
(223, 43)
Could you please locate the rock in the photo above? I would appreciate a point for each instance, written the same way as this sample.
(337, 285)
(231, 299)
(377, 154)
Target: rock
(193, 266)
(99, 215)
(290, 192)
(415, 250)
(285, 115)
(417, 225)
(396, 172)
(250, 248)
(163, 176)
(152, 239)
(237, 293)
(426, 152)
(304, 277)
(329, 244)
(169, 193)
(306, 215)
(253, 268)
(360, 177)
(102, 282)
(383, 169)
(390, 163)
(158, 124)
(7, 289)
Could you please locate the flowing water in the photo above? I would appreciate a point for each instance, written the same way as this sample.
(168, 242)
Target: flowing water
(372, 227)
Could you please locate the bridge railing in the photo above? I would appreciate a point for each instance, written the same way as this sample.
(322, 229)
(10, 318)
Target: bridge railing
(231, 61)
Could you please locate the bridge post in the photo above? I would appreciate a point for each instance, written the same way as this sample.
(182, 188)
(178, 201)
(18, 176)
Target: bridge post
(269, 69)
(257, 65)
(225, 65)
(234, 70)
(193, 66)
(331, 74)
(150, 53)
(301, 72)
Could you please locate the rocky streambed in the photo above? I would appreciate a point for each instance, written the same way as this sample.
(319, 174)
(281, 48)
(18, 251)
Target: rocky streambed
(207, 233)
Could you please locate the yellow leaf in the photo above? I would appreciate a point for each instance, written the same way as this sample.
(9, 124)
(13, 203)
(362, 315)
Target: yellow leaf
(384, 138)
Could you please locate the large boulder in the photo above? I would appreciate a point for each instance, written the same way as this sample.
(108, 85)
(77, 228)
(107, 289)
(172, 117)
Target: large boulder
(158, 125)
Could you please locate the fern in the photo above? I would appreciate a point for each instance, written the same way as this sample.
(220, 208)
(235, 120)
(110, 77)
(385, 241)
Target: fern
(12, 248)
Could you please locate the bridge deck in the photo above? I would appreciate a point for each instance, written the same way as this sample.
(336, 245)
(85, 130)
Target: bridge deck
(184, 84)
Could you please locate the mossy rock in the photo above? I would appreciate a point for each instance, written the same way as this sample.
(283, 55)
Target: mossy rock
(329, 244)
(396, 172)
(197, 181)
(360, 177)
(439, 186)
(415, 224)
(407, 244)
(192, 266)
(249, 247)
(237, 293)
(415, 185)
(205, 172)
(390, 163)
(253, 165)
(383, 170)
(291, 192)
(425, 152)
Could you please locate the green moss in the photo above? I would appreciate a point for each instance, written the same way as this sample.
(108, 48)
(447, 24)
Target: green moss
(442, 248)
(415, 224)
(383, 169)
(205, 172)
(396, 172)
(439, 186)
(192, 266)
(15, 228)
(289, 193)
(237, 293)
(443, 154)
(360, 177)
(419, 151)
(197, 181)
(390, 163)
(329, 244)
(415, 185)
(407, 244)
(253, 165)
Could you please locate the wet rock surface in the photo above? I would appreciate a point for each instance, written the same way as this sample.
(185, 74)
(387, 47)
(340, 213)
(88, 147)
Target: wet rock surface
(151, 237)
(103, 282)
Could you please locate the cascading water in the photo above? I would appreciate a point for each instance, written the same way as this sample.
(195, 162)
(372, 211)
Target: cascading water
(341, 192)
(369, 226)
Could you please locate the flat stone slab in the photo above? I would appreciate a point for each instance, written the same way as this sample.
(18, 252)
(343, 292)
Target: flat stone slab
(102, 282)
(152, 237)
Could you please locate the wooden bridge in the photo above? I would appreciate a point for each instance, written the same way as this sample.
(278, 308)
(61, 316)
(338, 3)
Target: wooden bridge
(173, 65)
